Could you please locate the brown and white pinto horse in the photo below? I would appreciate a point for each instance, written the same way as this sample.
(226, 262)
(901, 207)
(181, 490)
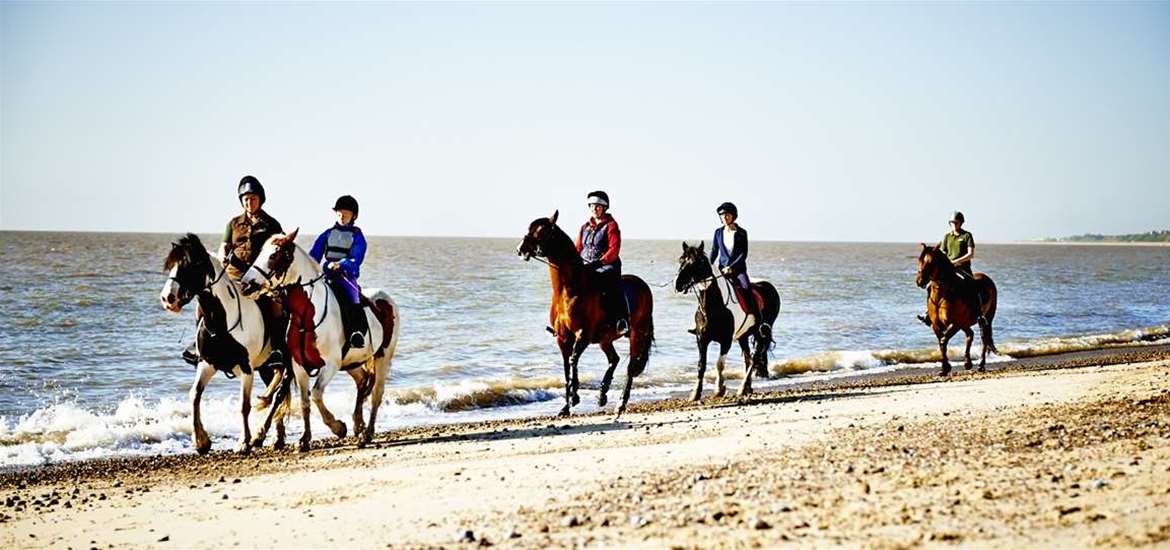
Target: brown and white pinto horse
(316, 339)
(577, 315)
(954, 304)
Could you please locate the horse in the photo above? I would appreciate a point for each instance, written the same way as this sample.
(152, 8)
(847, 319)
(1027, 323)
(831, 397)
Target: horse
(720, 319)
(317, 340)
(577, 316)
(231, 336)
(954, 303)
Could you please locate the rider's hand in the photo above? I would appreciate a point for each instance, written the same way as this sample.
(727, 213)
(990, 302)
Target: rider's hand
(593, 265)
(332, 266)
(727, 271)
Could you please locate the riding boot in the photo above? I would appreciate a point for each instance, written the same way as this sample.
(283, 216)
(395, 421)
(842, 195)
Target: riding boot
(619, 311)
(274, 328)
(358, 324)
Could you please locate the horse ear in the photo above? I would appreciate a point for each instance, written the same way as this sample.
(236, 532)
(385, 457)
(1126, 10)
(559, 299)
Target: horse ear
(701, 245)
(684, 243)
(291, 237)
(553, 218)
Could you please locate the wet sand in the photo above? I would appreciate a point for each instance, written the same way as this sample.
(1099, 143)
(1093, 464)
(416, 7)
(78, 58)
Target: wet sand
(1051, 451)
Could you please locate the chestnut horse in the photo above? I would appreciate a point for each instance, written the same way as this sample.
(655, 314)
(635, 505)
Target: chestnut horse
(954, 304)
(577, 316)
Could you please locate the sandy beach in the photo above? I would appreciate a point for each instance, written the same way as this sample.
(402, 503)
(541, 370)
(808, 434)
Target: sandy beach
(1058, 451)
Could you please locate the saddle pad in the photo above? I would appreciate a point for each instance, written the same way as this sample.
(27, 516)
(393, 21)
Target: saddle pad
(755, 294)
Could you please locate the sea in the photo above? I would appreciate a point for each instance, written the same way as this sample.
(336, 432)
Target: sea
(90, 361)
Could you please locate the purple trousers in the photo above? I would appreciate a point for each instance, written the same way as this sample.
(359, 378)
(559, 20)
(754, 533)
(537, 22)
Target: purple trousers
(348, 287)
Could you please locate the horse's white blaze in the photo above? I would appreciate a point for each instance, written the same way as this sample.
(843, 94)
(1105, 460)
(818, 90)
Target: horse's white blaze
(169, 295)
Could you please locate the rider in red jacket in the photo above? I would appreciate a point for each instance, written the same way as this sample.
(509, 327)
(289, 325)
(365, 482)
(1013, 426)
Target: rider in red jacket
(599, 242)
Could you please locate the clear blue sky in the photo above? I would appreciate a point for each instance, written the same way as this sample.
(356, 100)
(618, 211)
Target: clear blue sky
(822, 121)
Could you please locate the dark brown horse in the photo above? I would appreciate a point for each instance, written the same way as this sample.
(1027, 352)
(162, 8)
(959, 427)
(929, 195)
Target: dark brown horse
(954, 303)
(577, 316)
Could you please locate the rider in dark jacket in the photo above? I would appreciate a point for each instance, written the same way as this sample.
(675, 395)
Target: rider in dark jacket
(599, 242)
(243, 238)
(341, 250)
(733, 259)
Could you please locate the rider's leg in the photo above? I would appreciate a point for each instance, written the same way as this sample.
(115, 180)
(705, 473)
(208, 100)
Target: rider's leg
(274, 328)
(357, 322)
(925, 317)
(613, 299)
(749, 298)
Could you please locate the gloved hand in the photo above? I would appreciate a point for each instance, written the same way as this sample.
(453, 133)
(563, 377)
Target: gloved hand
(593, 265)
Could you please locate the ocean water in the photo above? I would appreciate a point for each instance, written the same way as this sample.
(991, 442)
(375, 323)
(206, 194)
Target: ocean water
(89, 360)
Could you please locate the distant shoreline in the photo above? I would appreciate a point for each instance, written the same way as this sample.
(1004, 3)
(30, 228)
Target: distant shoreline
(1089, 243)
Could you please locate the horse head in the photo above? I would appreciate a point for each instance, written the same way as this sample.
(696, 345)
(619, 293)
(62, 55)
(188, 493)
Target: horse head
(277, 257)
(535, 240)
(189, 270)
(930, 261)
(692, 267)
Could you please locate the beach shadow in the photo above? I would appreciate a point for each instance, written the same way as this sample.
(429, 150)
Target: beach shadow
(552, 429)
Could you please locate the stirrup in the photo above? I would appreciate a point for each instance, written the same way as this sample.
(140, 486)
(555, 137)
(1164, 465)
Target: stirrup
(191, 355)
(356, 340)
(622, 327)
(925, 320)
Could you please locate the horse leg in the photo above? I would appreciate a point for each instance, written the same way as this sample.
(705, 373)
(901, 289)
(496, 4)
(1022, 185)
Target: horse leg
(612, 357)
(566, 346)
(578, 349)
(265, 400)
(303, 387)
(362, 380)
(967, 354)
(280, 383)
(327, 373)
(720, 382)
(244, 446)
(698, 393)
(381, 369)
(746, 388)
(202, 377)
(942, 347)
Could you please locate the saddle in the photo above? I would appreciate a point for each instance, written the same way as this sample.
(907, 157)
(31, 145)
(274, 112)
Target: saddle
(739, 297)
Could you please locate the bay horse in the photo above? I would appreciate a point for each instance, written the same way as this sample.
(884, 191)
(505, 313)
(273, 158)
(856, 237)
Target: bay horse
(954, 302)
(577, 315)
(719, 318)
(316, 338)
(231, 337)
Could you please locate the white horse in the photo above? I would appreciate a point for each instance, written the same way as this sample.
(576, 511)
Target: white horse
(316, 337)
(231, 336)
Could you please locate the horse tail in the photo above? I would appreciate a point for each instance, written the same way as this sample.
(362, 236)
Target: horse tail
(642, 327)
(765, 334)
(990, 297)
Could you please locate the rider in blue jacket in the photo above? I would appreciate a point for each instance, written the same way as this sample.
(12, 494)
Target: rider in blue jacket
(731, 248)
(341, 249)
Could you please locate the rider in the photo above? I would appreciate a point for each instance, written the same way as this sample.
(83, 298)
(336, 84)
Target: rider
(599, 242)
(733, 260)
(243, 238)
(959, 246)
(341, 249)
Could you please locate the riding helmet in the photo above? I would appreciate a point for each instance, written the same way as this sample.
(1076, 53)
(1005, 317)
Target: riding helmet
(346, 202)
(729, 208)
(958, 217)
(598, 197)
(249, 184)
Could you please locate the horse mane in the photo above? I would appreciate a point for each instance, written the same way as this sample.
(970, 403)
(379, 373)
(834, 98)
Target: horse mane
(188, 250)
(943, 266)
(564, 242)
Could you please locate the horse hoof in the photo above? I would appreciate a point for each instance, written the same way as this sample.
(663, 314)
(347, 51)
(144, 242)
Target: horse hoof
(279, 445)
(945, 372)
(243, 449)
(601, 401)
(262, 403)
(982, 368)
(341, 430)
(576, 399)
(203, 449)
(696, 395)
(720, 392)
(303, 447)
(564, 411)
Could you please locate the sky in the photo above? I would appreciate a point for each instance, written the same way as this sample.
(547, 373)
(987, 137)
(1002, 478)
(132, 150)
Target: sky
(821, 121)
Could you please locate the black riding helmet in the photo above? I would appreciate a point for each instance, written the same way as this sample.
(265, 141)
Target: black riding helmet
(729, 208)
(958, 217)
(249, 184)
(346, 202)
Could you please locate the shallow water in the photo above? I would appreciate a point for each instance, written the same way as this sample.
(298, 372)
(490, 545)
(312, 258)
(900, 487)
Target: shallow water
(89, 360)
